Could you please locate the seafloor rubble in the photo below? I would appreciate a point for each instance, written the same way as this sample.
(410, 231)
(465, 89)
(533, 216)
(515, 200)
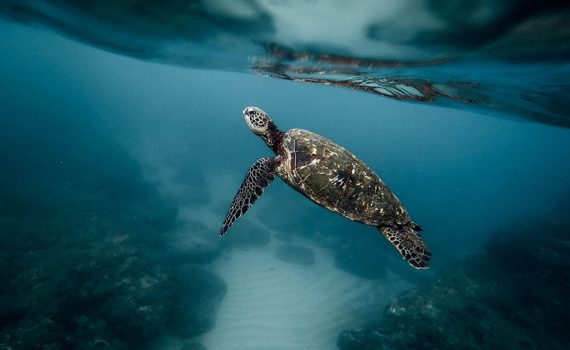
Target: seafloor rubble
(513, 295)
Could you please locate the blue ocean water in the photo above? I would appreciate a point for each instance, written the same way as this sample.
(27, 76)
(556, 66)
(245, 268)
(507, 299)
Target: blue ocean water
(122, 145)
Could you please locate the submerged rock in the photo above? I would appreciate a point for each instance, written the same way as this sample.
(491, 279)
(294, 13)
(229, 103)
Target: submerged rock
(198, 294)
(120, 299)
(81, 270)
(296, 254)
(194, 243)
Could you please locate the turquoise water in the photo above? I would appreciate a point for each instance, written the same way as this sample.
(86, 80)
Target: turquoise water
(122, 147)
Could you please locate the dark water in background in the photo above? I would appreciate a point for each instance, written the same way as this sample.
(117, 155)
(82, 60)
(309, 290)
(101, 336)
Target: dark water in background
(116, 174)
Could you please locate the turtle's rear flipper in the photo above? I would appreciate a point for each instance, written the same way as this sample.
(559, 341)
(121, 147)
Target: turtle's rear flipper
(410, 245)
(259, 176)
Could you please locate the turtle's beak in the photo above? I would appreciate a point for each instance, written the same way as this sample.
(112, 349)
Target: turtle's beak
(246, 116)
(248, 110)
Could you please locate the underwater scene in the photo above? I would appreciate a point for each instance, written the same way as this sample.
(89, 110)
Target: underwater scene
(409, 163)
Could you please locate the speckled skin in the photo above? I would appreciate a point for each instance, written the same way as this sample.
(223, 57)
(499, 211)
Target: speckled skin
(336, 179)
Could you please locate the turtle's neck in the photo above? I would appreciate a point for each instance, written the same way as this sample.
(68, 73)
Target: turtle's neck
(273, 137)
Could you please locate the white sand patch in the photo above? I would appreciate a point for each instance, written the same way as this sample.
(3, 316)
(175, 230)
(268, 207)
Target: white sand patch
(271, 304)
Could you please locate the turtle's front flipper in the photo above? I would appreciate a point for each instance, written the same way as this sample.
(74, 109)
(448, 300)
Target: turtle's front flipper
(259, 176)
(409, 244)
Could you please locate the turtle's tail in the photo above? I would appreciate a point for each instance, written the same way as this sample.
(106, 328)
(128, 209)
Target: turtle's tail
(409, 243)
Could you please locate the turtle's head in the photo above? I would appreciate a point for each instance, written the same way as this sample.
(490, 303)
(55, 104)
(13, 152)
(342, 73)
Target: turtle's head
(258, 121)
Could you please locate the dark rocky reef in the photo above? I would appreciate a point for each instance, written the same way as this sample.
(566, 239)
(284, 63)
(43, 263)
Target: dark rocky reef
(83, 262)
(514, 295)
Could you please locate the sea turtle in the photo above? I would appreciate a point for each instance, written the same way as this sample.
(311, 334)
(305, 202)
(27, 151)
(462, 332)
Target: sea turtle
(330, 176)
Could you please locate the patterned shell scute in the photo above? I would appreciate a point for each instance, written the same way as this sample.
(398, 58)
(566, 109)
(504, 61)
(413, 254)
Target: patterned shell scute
(336, 179)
